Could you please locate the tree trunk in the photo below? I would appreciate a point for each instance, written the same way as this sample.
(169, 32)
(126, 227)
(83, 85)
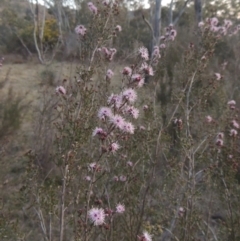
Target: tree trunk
(157, 22)
(198, 10)
(171, 13)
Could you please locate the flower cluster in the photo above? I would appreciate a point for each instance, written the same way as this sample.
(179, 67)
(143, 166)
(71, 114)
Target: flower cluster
(221, 30)
(170, 34)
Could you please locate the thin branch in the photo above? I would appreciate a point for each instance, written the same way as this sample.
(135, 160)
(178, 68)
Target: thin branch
(181, 12)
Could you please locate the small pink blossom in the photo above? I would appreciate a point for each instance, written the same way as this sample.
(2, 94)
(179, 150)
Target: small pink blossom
(227, 23)
(162, 46)
(123, 178)
(220, 135)
(233, 133)
(81, 30)
(118, 121)
(115, 100)
(143, 53)
(104, 112)
(218, 76)
(219, 142)
(105, 2)
(92, 166)
(145, 237)
(97, 216)
(156, 53)
(118, 28)
(127, 71)
(214, 21)
(200, 24)
(173, 33)
(92, 8)
(61, 90)
(145, 107)
(115, 178)
(120, 208)
(109, 74)
(134, 112)
(88, 178)
(100, 132)
(235, 124)
(128, 127)
(209, 119)
(129, 163)
(140, 83)
(130, 95)
(181, 211)
(232, 104)
(142, 128)
(114, 147)
(147, 69)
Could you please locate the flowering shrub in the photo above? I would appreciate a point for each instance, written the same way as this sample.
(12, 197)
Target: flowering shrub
(126, 167)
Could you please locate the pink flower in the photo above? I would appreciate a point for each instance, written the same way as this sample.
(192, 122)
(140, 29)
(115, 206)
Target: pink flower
(109, 74)
(127, 71)
(118, 28)
(209, 119)
(219, 142)
(130, 95)
(118, 121)
(92, 166)
(129, 163)
(120, 208)
(114, 147)
(92, 8)
(81, 30)
(173, 33)
(105, 2)
(97, 216)
(220, 135)
(140, 83)
(214, 21)
(218, 76)
(134, 112)
(142, 128)
(104, 112)
(113, 51)
(115, 178)
(123, 178)
(200, 24)
(100, 132)
(181, 211)
(162, 46)
(128, 127)
(109, 53)
(147, 69)
(115, 100)
(156, 52)
(233, 132)
(145, 237)
(227, 23)
(232, 104)
(61, 90)
(88, 178)
(235, 124)
(136, 77)
(145, 107)
(144, 53)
